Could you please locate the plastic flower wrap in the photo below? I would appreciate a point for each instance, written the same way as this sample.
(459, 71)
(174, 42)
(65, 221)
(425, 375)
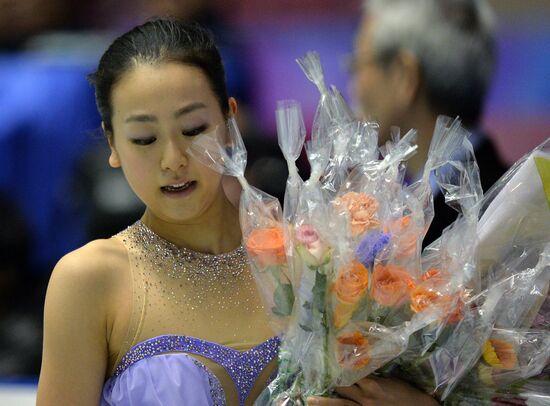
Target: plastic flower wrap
(529, 392)
(304, 368)
(260, 218)
(342, 270)
(442, 352)
(516, 210)
(356, 236)
(312, 261)
(291, 135)
(499, 296)
(514, 247)
(387, 227)
(334, 127)
(513, 355)
(510, 356)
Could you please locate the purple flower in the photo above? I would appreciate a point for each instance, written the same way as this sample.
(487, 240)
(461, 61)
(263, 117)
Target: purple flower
(370, 247)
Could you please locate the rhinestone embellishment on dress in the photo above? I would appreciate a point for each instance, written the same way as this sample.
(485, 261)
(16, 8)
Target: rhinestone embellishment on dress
(185, 262)
(243, 367)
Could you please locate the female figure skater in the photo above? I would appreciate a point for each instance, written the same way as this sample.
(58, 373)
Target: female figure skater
(166, 312)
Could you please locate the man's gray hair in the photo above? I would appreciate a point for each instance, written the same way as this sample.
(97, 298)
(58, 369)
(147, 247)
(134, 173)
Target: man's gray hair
(454, 42)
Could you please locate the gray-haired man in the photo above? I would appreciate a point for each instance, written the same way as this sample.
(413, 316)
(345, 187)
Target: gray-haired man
(416, 59)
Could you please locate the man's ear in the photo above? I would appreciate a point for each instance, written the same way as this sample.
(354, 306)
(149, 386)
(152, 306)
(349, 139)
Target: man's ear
(114, 160)
(232, 106)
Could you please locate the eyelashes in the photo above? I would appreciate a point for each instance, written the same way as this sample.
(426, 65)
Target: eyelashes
(143, 141)
(192, 132)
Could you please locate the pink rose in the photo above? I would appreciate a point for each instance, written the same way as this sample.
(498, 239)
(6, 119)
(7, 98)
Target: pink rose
(307, 235)
(313, 251)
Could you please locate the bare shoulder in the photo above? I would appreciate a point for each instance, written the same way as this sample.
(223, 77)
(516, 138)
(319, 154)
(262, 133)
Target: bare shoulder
(77, 313)
(97, 265)
(94, 260)
(86, 282)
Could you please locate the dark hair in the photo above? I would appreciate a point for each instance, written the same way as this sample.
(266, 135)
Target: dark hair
(156, 41)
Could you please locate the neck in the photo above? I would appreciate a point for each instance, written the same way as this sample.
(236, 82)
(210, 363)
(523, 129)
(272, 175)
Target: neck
(214, 232)
(424, 123)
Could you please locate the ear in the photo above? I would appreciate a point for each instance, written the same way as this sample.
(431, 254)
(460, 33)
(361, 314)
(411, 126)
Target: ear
(232, 106)
(408, 77)
(114, 160)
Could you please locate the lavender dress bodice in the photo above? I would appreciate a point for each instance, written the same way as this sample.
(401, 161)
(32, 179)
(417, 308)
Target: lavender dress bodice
(160, 371)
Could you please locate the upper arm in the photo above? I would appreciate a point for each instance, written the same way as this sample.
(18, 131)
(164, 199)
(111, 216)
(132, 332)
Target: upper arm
(75, 351)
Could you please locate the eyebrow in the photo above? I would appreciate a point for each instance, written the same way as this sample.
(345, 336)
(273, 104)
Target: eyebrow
(146, 118)
(189, 108)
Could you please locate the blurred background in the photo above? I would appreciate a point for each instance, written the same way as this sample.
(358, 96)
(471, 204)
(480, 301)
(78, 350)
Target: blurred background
(56, 188)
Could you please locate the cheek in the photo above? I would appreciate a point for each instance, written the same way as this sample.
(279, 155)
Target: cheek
(137, 170)
(211, 179)
(138, 167)
(366, 102)
(364, 88)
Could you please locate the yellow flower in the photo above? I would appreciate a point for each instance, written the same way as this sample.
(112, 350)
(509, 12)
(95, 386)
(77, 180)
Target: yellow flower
(490, 356)
(500, 354)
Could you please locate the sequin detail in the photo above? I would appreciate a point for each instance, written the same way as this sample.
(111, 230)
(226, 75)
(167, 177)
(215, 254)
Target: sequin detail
(192, 264)
(243, 367)
(180, 291)
(216, 390)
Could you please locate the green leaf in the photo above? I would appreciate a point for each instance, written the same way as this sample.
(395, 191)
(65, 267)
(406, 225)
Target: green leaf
(283, 297)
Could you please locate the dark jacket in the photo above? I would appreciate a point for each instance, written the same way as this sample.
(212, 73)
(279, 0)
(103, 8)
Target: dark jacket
(491, 168)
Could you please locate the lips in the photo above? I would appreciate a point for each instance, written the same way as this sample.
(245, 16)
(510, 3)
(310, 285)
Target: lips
(178, 188)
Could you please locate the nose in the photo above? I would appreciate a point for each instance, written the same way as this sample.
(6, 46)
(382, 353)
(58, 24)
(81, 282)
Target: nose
(173, 156)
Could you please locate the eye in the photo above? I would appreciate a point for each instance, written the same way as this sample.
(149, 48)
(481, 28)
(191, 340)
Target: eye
(194, 131)
(143, 141)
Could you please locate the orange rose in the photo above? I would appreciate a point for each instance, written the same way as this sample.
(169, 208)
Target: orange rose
(267, 245)
(430, 273)
(362, 209)
(355, 338)
(407, 236)
(391, 285)
(423, 297)
(350, 286)
(351, 282)
(352, 350)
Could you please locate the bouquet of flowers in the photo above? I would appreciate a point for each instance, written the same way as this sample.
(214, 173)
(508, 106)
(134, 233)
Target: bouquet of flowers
(504, 292)
(356, 235)
(515, 248)
(341, 270)
(366, 295)
(513, 368)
